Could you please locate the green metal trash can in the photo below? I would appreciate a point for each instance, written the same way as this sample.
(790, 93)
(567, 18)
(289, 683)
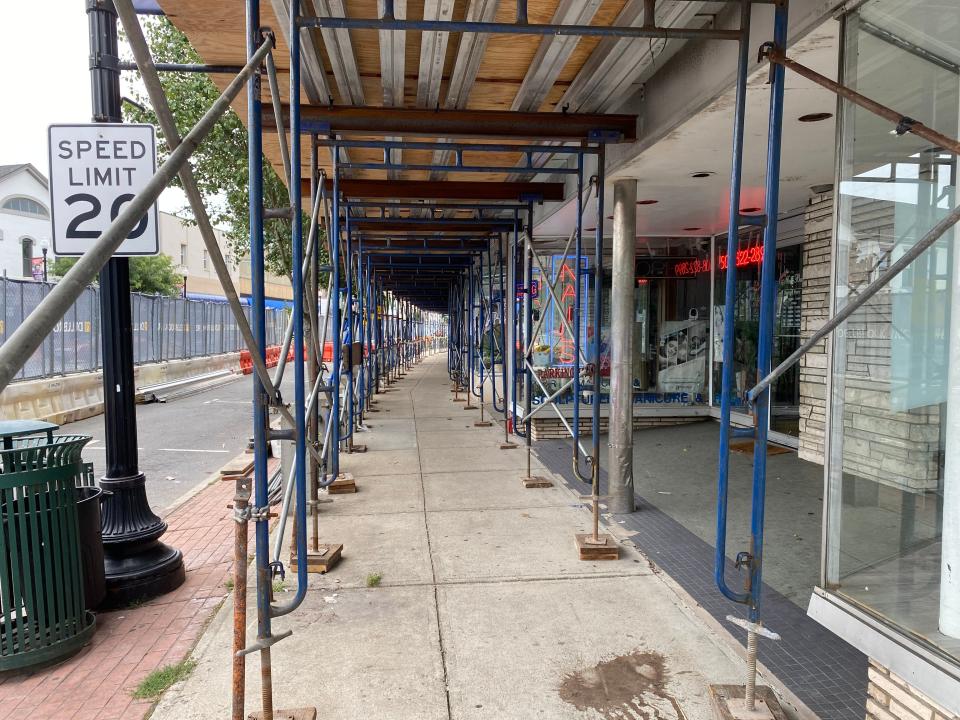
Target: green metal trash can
(89, 497)
(42, 610)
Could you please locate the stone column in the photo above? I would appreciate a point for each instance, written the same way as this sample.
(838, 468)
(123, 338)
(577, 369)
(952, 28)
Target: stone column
(620, 458)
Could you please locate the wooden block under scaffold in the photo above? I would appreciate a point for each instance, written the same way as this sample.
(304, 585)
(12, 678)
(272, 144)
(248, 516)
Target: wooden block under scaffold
(483, 423)
(342, 485)
(305, 713)
(728, 702)
(536, 481)
(324, 559)
(605, 549)
(238, 467)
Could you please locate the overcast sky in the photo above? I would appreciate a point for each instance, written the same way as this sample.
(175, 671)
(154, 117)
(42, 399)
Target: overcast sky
(46, 79)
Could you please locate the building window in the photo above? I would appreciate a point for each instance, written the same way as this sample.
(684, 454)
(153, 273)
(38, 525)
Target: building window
(670, 329)
(893, 497)
(26, 246)
(183, 255)
(206, 258)
(25, 206)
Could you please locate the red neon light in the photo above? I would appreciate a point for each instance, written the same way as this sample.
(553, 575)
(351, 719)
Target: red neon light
(564, 346)
(691, 267)
(752, 255)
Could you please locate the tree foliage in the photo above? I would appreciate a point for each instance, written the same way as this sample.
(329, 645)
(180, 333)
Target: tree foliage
(153, 275)
(220, 163)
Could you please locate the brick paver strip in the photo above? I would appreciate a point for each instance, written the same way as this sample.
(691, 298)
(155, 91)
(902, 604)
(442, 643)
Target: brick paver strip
(98, 682)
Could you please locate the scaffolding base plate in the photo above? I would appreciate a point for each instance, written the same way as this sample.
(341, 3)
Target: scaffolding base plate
(536, 481)
(320, 561)
(305, 713)
(342, 485)
(459, 399)
(508, 446)
(357, 449)
(483, 423)
(729, 704)
(607, 549)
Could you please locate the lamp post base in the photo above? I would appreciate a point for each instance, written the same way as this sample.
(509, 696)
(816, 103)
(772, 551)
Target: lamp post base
(137, 565)
(156, 570)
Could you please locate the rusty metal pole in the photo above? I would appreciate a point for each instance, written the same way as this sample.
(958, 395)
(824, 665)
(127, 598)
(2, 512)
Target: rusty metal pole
(902, 123)
(241, 514)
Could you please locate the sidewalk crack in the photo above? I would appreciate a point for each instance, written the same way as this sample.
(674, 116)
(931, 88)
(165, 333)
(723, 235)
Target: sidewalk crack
(433, 568)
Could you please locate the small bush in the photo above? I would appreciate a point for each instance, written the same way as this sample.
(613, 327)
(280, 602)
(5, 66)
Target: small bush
(373, 579)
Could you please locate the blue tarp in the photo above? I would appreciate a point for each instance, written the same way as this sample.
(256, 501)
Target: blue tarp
(244, 300)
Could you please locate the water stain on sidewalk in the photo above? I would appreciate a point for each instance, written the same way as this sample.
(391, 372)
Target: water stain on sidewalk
(627, 686)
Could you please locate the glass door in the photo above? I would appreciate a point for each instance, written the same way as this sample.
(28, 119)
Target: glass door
(785, 406)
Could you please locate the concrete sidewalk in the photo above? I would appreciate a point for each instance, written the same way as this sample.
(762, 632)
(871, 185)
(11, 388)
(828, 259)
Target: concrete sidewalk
(483, 611)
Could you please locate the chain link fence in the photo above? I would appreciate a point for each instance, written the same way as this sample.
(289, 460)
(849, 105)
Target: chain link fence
(164, 328)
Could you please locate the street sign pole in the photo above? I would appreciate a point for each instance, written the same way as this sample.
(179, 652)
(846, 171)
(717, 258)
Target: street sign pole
(137, 565)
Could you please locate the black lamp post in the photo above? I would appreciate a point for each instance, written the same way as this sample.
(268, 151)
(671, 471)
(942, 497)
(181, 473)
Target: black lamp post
(44, 250)
(137, 564)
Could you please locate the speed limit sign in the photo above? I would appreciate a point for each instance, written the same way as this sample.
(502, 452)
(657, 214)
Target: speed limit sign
(95, 170)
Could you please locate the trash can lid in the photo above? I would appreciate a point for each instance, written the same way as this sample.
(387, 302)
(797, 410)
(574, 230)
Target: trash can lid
(14, 428)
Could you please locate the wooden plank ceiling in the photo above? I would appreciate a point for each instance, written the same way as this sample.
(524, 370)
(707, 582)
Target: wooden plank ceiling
(474, 72)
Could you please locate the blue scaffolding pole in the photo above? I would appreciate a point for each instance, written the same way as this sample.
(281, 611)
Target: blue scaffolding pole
(751, 559)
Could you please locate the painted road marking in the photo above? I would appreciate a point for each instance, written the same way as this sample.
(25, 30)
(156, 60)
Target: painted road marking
(99, 447)
(191, 450)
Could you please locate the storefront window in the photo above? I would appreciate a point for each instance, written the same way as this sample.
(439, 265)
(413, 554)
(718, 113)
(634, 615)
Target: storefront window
(671, 327)
(554, 325)
(555, 337)
(893, 479)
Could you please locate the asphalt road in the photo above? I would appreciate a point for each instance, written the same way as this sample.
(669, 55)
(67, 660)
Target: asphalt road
(181, 442)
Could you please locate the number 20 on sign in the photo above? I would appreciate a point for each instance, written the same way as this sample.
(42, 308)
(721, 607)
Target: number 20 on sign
(95, 170)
